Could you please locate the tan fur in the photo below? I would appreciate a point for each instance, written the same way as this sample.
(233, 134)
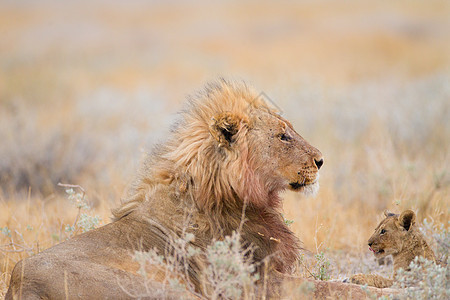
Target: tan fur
(396, 235)
(229, 153)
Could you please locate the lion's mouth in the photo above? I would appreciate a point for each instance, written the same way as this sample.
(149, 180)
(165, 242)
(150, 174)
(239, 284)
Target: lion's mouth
(309, 188)
(296, 185)
(376, 251)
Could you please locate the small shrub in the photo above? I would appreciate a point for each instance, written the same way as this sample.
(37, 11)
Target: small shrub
(5, 231)
(173, 263)
(229, 274)
(83, 221)
(424, 280)
(440, 241)
(287, 221)
(77, 199)
(87, 222)
(322, 267)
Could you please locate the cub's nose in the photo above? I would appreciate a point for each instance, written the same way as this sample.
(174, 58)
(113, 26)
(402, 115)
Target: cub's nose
(318, 163)
(370, 244)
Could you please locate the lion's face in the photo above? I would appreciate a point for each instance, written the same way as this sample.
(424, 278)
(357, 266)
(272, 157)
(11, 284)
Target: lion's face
(391, 234)
(285, 157)
(267, 153)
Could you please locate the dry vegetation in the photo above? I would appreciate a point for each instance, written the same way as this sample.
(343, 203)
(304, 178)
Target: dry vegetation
(85, 88)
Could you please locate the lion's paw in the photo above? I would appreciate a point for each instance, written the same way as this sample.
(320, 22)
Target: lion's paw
(357, 279)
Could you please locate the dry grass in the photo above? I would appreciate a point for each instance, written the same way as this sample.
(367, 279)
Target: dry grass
(85, 87)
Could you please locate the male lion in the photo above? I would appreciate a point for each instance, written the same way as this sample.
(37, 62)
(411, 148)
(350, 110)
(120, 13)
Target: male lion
(396, 235)
(221, 169)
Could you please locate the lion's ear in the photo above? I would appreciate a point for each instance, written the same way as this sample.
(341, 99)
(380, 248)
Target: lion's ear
(407, 219)
(224, 128)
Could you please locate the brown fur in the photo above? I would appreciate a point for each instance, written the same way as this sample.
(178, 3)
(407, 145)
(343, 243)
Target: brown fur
(396, 235)
(229, 155)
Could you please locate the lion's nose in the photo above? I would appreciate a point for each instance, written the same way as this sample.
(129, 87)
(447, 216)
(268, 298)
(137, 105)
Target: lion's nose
(370, 244)
(318, 163)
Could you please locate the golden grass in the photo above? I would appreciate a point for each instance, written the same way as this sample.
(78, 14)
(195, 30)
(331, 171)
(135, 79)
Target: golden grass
(95, 84)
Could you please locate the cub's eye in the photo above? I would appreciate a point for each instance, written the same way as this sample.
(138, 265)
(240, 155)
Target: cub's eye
(285, 137)
(382, 231)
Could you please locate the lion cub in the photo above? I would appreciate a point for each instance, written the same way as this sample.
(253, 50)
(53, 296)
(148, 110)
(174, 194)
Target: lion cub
(396, 235)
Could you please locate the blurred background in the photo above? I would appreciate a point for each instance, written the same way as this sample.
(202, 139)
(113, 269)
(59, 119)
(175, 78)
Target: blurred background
(86, 87)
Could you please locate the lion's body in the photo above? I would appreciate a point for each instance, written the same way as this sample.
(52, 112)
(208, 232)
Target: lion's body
(228, 157)
(396, 235)
(94, 265)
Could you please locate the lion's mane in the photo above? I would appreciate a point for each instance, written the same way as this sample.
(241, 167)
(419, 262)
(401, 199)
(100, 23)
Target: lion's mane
(214, 182)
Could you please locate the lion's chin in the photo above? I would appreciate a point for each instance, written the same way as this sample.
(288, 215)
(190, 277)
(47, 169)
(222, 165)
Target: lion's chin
(306, 189)
(378, 253)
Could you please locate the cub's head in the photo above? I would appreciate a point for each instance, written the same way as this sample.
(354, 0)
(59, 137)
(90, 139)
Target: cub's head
(391, 233)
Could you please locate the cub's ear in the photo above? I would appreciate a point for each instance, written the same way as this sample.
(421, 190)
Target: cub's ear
(225, 127)
(407, 219)
(387, 213)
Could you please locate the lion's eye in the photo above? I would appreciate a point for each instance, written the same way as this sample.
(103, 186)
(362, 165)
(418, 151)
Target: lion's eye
(285, 137)
(382, 231)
